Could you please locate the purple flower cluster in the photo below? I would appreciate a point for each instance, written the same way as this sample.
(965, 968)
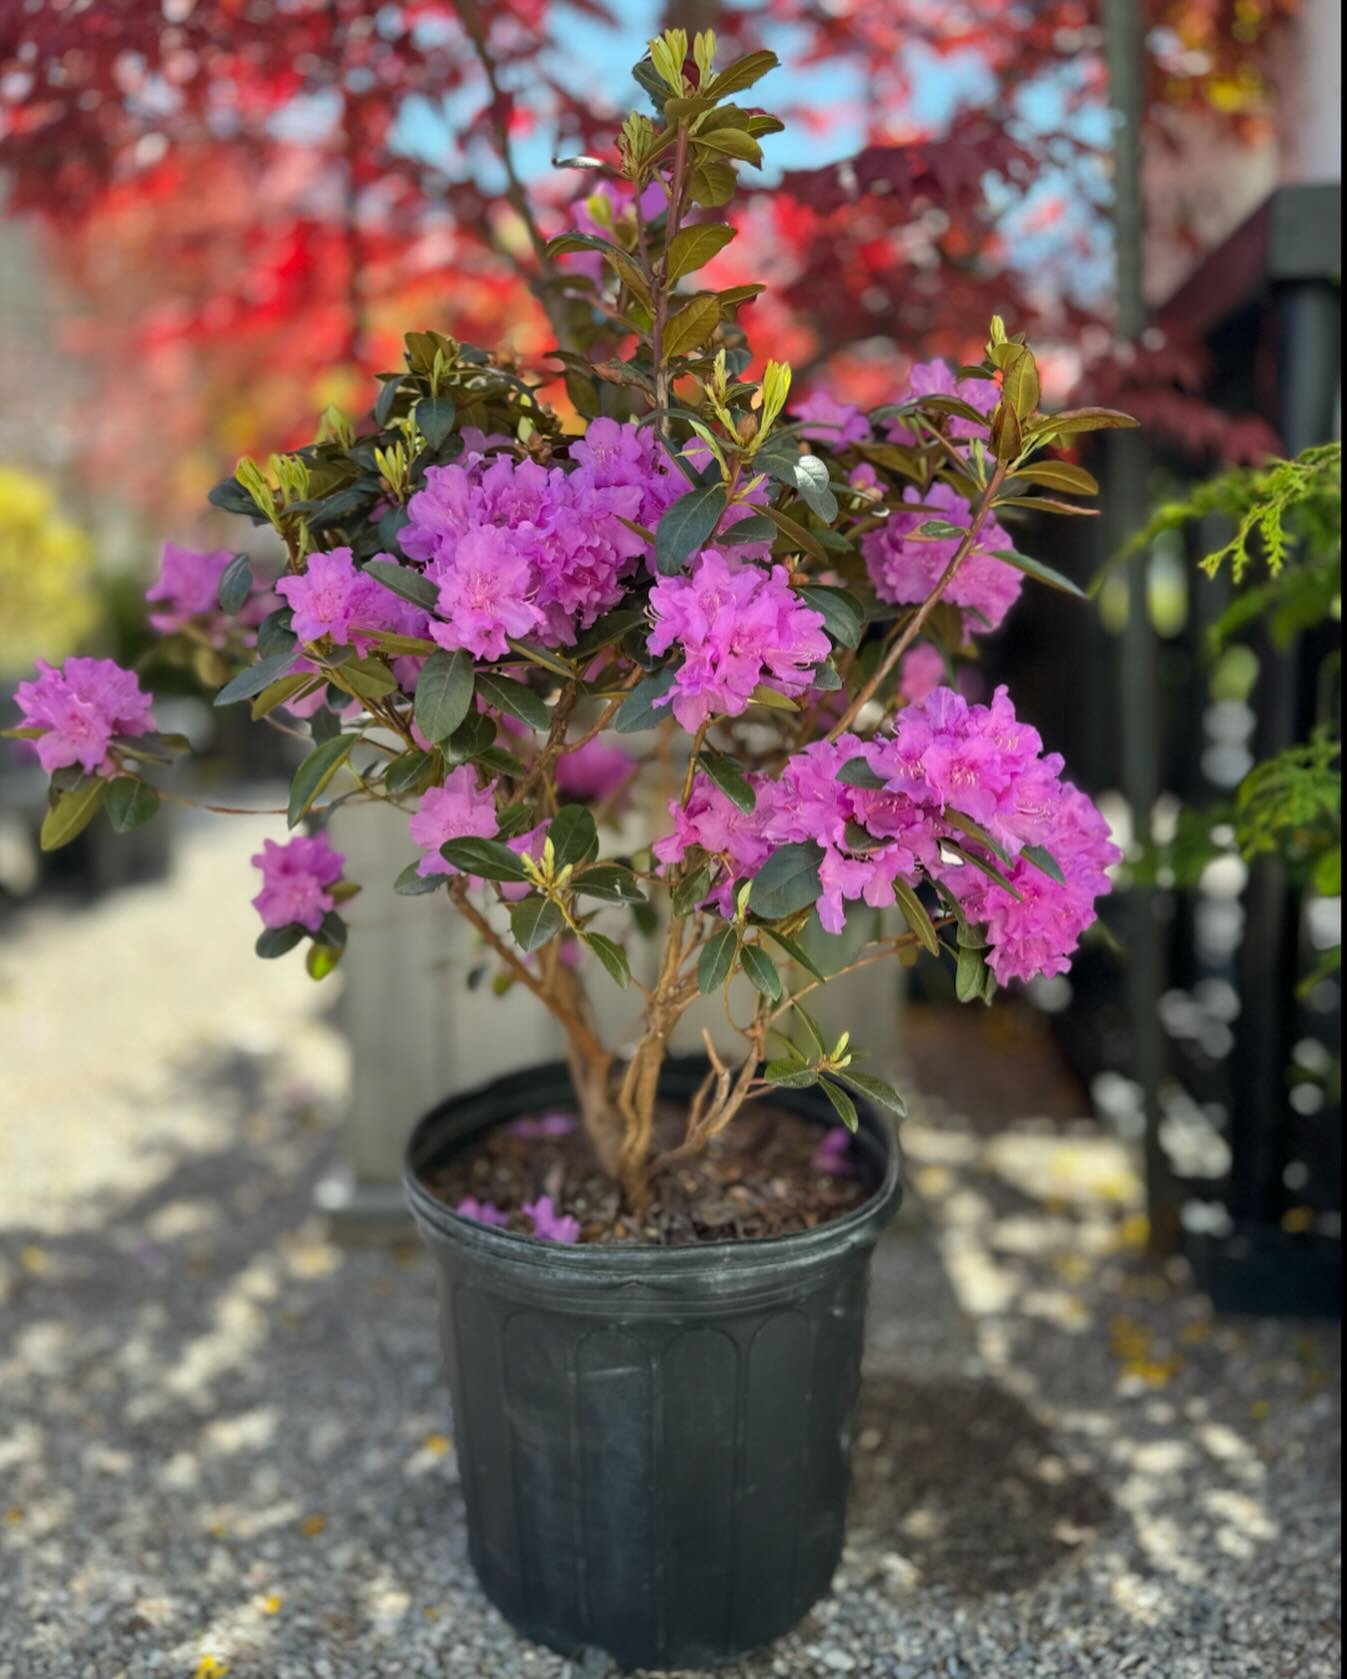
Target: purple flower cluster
(333, 597)
(549, 1225)
(937, 378)
(738, 626)
(905, 567)
(516, 549)
(80, 707)
(187, 591)
(295, 881)
(977, 761)
(831, 422)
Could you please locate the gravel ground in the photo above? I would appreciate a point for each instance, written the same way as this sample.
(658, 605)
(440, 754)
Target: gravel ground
(224, 1445)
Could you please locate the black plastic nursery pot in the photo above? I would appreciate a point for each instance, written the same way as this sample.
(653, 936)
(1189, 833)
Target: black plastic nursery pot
(654, 1441)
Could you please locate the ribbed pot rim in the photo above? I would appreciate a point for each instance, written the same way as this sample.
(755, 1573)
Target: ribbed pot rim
(458, 1117)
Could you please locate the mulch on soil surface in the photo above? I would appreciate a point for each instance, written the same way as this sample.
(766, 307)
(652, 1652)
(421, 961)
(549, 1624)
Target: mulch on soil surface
(763, 1176)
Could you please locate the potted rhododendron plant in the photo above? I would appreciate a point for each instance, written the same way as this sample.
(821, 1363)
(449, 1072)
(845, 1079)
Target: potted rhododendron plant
(512, 629)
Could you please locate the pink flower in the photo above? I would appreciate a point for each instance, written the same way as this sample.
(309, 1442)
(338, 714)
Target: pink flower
(519, 549)
(482, 1212)
(295, 878)
(594, 771)
(549, 1224)
(833, 1154)
(613, 456)
(922, 669)
(905, 567)
(546, 1125)
(737, 626)
(458, 810)
(188, 585)
(936, 378)
(332, 597)
(831, 422)
(81, 706)
(735, 837)
(484, 595)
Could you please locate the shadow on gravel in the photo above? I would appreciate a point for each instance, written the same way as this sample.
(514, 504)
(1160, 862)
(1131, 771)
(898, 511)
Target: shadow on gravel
(967, 1485)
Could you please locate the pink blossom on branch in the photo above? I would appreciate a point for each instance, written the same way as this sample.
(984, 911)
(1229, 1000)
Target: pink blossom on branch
(80, 707)
(738, 626)
(296, 876)
(460, 809)
(905, 567)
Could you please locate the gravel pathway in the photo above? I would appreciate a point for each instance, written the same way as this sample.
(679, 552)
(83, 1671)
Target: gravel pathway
(224, 1445)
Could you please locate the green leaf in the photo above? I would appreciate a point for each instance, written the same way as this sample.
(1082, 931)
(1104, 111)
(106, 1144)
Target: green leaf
(287, 688)
(811, 480)
(485, 857)
(843, 614)
(796, 952)
(443, 694)
(277, 941)
(409, 772)
(788, 881)
(799, 538)
(71, 814)
(470, 739)
(573, 835)
(691, 326)
(542, 657)
(844, 1107)
(691, 247)
(402, 580)
(1040, 572)
(856, 772)
(367, 679)
(410, 884)
(534, 921)
(982, 866)
(763, 974)
(435, 417)
(914, 913)
(130, 803)
(256, 677)
(1060, 475)
(876, 1089)
(732, 142)
(729, 777)
(811, 1026)
(608, 629)
(639, 711)
(716, 960)
(274, 634)
(315, 773)
(1007, 439)
(756, 528)
(236, 584)
(968, 975)
(687, 525)
(1043, 859)
(790, 1075)
(941, 530)
(322, 959)
(504, 694)
(712, 184)
(689, 892)
(24, 733)
(742, 73)
(976, 831)
(613, 957)
(1073, 421)
(610, 883)
(1019, 383)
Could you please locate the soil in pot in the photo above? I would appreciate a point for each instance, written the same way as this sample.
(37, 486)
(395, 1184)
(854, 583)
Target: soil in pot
(770, 1173)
